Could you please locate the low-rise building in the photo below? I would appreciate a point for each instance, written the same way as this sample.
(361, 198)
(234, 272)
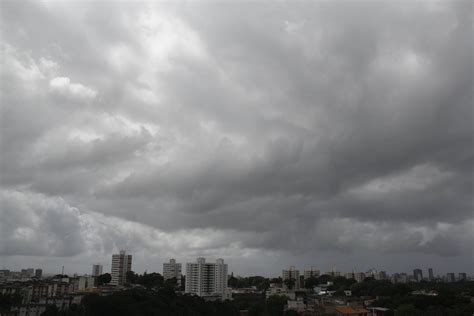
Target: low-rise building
(296, 305)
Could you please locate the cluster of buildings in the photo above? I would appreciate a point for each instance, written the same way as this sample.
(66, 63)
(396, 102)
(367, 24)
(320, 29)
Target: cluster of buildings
(205, 279)
(23, 274)
(37, 293)
(202, 278)
(417, 276)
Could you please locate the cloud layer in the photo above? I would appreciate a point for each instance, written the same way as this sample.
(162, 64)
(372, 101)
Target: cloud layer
(318, 133)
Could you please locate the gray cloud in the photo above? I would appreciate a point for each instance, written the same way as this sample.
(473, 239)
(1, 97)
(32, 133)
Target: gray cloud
(242, 130)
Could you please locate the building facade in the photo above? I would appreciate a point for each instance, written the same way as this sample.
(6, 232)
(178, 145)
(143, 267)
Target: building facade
(96, 269)
(430, 274)
(206, 279)
(450, 277)
(121, 264)
(311, 273)
(418, 275)
(291, 274)
(172, 270)
(359, 276)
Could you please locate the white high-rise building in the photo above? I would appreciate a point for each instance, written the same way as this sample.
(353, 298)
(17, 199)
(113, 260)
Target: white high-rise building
(172, 270)
(293, 274)
(206, 279)
(121, 264)
(96, 270)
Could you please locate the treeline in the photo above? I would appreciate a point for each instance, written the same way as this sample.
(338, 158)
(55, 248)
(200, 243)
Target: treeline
(9, 300)
(260, 282)
(157, 297)
(451, 299)
(166, 302)
(153, 281)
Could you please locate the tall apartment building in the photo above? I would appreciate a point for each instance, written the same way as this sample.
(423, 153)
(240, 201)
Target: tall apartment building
(38, 273)
(418, 275)
(291, 273)
(206, 279)
(172, 270)
(96, 269)
(462, 276)
(311, 273)
(450, 277)
(430, 274)
(121, 264)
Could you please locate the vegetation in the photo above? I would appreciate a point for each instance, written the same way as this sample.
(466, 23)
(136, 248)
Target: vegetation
(451, 298)
(290, 283)
(160, 298)
(8, 300)
(259, 282)
(148, 280)
(165, 302)
(104, 279)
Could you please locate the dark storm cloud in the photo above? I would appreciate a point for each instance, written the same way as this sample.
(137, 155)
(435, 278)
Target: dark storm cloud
(288, 129)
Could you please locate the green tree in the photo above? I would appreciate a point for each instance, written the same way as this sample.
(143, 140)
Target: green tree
(290, 283)
(171, 283)
(151, 280)
(9, 300)
(51, 310)
(276, 305)
(256, 309)
(406, 310)
(104, 279)
(183, 283)
(325, 278)
(131, 277)
(311, 282)
(233, 282)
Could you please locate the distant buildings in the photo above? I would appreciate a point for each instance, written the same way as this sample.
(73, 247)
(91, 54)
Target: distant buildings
(172, 270)
(418, 275)
(38, 273)
(85, 282)
(450, 277)
(291, 274)
(121, 264)
(381, 275)
(359, 276)
(27, 273)
(430, 274)
(311, 273)
(207, 279)
(96, 269)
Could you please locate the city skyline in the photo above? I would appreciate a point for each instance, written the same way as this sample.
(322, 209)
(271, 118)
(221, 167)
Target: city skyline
(270, 135)
(173, 268)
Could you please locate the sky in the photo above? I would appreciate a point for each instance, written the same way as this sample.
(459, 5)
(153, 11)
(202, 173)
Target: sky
(271, 134)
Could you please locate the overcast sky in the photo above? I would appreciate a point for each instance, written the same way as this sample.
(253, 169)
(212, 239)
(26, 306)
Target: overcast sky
(295, 133)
